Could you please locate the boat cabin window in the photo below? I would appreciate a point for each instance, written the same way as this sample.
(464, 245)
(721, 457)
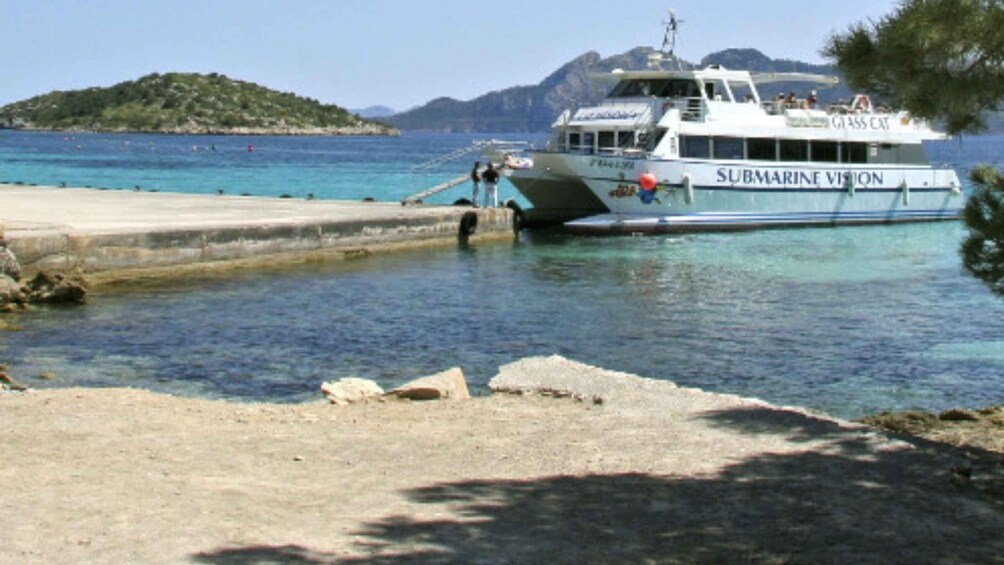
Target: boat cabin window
(794, 150)
(679, 88)
(632, 88)
(798, 150)
(825, 151)
(855, 153)
(607, 141)
(695, 147)
(637, 87)
(663, 88)
(715, 90)
(762, 149)
(897, 154)
(574, 141)
(742, 91)
(728, 147)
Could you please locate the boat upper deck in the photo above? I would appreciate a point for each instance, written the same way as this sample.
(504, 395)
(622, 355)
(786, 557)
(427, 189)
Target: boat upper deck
(718, 101)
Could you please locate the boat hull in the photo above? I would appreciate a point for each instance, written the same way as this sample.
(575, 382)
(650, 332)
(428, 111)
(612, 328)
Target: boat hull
(555, 191)
(732, 195)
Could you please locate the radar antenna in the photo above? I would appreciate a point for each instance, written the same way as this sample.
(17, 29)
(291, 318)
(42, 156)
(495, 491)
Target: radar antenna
(667, 52)
(669, 38)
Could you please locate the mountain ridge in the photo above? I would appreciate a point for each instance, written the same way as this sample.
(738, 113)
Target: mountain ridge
(533, 108)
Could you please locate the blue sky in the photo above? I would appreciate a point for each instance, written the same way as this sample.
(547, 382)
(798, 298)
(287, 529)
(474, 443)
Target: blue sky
(399, 53)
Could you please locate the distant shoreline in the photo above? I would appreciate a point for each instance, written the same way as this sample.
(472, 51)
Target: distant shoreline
(364, 131)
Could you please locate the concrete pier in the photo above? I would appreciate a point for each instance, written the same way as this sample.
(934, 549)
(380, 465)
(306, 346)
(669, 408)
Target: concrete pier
(109, 235)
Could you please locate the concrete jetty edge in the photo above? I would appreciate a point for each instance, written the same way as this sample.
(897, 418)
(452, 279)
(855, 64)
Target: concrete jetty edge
(113, 236)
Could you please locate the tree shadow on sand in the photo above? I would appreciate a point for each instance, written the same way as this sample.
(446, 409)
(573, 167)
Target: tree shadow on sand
(856, 499)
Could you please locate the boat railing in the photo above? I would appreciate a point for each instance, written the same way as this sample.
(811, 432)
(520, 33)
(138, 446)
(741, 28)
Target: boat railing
(692, 109)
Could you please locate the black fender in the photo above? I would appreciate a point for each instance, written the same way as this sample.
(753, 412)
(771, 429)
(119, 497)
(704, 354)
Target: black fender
(517, 215)
(468, 224)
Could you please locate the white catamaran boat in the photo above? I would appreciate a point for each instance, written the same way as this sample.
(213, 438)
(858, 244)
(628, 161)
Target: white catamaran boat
(684, 150)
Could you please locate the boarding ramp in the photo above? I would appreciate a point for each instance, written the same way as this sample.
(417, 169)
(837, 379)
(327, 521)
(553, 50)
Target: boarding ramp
(492, 150)
(420, 196)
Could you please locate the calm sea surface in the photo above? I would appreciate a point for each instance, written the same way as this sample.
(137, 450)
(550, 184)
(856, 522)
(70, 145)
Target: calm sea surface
(848, 320)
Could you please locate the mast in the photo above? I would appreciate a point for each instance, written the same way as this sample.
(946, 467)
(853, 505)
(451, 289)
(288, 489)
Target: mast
(667, 52)
(669, 38)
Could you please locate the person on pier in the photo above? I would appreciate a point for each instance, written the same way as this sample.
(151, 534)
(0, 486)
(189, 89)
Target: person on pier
(476, 180)
(491, 179)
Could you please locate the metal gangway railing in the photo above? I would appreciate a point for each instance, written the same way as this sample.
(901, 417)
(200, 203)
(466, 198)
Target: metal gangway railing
(419, 196)
(491, 150)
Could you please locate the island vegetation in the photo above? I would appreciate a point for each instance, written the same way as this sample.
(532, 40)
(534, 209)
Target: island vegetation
(186, 103)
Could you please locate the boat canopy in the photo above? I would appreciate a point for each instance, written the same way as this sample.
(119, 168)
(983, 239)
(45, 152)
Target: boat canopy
(612, 115)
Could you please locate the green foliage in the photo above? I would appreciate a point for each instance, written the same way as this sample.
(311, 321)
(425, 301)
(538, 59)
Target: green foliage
(183, 102)
(940, 59)
(983, 249)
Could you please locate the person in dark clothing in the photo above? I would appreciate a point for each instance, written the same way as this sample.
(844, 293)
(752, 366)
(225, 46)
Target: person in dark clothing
(476, 179)
(491, 178)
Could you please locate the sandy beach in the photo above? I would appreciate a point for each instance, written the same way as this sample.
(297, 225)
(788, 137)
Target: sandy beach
(604, 467)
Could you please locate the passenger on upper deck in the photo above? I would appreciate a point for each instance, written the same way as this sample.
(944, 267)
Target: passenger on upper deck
(777, 104)
(812, 100)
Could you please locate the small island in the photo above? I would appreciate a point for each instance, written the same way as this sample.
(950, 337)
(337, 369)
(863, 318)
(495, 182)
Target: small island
(186, 103)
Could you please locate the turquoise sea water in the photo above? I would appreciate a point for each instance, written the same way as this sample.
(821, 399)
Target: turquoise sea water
(847, 320)
(336, 168)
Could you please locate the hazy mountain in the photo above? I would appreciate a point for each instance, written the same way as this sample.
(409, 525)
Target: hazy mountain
(374, 112)
(534, 108)
(755, 61)
(521, 108)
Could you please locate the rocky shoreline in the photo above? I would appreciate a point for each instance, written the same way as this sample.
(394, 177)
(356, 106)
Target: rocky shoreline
(44, 287)
(981, 429)
(978, 434)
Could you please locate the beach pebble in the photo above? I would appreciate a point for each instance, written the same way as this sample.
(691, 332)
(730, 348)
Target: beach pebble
(8, 382)
(448, 385)
(350, 391)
